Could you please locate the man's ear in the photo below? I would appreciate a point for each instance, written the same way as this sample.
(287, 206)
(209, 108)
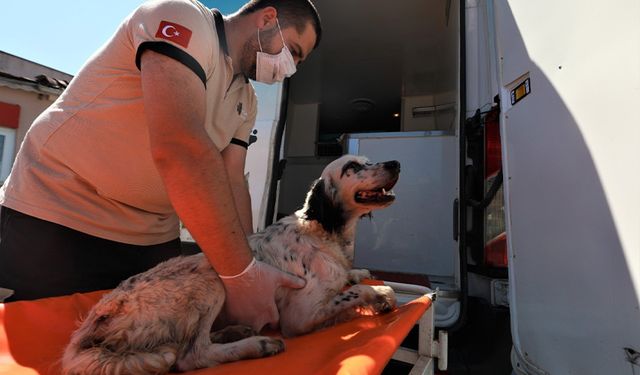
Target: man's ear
(266, 18)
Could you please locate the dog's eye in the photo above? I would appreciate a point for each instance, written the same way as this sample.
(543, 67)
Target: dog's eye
(356, 166)
(353, 165)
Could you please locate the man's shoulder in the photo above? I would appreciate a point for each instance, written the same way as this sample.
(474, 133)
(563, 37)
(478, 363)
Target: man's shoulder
(178, 9)
(179, 3)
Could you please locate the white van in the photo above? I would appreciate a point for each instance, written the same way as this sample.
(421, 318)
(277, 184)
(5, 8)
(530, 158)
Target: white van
(542, 95)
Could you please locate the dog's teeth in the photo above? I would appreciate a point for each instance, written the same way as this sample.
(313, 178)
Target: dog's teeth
(384, 192)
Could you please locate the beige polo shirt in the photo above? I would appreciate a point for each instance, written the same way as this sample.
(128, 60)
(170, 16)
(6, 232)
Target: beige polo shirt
(86, 162)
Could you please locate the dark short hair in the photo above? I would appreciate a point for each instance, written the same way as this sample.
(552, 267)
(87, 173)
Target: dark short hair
(295, 13)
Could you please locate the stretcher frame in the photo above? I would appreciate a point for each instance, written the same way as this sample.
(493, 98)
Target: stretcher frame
(429, 349)
(29, 359)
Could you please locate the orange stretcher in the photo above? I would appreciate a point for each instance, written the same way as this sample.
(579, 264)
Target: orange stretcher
(33, 335)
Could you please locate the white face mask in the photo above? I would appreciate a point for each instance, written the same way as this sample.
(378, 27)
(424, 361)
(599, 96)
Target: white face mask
(274, 68)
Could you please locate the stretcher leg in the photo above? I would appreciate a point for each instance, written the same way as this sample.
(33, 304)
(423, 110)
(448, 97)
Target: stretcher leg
(429, 349)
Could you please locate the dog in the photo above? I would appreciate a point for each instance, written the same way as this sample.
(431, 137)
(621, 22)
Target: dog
(161, 320)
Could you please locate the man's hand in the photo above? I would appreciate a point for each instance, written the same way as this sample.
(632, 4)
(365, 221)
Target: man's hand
(250, 296)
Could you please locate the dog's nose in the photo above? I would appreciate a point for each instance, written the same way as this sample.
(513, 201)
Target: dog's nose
(392, 165)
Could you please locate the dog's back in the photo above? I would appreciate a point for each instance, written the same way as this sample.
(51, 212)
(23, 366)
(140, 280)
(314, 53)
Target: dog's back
(160, 309)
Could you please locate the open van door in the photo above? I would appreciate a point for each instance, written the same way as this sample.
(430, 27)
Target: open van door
(569, 77)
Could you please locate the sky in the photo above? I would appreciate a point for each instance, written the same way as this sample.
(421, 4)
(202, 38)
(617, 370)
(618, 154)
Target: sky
(62, 34)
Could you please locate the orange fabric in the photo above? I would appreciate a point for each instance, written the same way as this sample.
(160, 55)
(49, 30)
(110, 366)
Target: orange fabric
(33, 335)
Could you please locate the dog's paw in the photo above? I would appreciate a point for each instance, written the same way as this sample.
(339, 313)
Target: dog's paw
(271, 346)
(357, 275)
(385, 299)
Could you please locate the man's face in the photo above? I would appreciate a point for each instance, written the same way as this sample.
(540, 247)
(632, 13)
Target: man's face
(300, 45)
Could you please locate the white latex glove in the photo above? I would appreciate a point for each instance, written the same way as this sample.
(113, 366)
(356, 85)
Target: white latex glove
(250, 296)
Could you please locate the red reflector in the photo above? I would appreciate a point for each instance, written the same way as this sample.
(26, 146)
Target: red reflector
(495, 251)
(493, 149)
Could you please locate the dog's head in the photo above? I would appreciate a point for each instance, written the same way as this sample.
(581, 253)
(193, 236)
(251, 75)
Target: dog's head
(350, 187)
(360, 185)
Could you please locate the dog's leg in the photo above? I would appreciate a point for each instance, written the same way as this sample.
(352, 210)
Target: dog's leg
(231, 334)
(355, 301)
(215, 354)
(358, 300)
(204, 353)
(250, 347)
(357, 275)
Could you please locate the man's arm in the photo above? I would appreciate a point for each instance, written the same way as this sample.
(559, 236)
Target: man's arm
(191, 167)
(195, 178)
(234, 160)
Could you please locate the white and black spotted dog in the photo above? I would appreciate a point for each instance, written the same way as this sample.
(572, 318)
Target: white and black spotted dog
(161, 320)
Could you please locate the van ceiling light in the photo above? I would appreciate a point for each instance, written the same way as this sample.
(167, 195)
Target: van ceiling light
(362, 105)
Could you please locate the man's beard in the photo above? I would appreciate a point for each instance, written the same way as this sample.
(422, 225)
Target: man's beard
(250, 50)
(248, 62)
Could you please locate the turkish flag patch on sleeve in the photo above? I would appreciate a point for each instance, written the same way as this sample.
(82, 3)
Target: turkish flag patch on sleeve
(174, 32)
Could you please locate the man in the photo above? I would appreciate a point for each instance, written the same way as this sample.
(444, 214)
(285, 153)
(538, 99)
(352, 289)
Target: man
(154, 127)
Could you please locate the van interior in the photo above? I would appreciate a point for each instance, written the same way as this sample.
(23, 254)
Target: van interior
(384, 83)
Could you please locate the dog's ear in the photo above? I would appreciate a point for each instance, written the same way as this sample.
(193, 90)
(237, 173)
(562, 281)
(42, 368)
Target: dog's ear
(331, 189)
(320, 207)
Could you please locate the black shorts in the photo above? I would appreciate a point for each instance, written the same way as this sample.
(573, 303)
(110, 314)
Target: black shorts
(43, 259)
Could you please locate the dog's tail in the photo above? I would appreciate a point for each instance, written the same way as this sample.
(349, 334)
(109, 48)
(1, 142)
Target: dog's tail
(99, 360)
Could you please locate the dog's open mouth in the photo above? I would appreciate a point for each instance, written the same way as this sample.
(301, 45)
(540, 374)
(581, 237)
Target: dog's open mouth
(381, 195)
